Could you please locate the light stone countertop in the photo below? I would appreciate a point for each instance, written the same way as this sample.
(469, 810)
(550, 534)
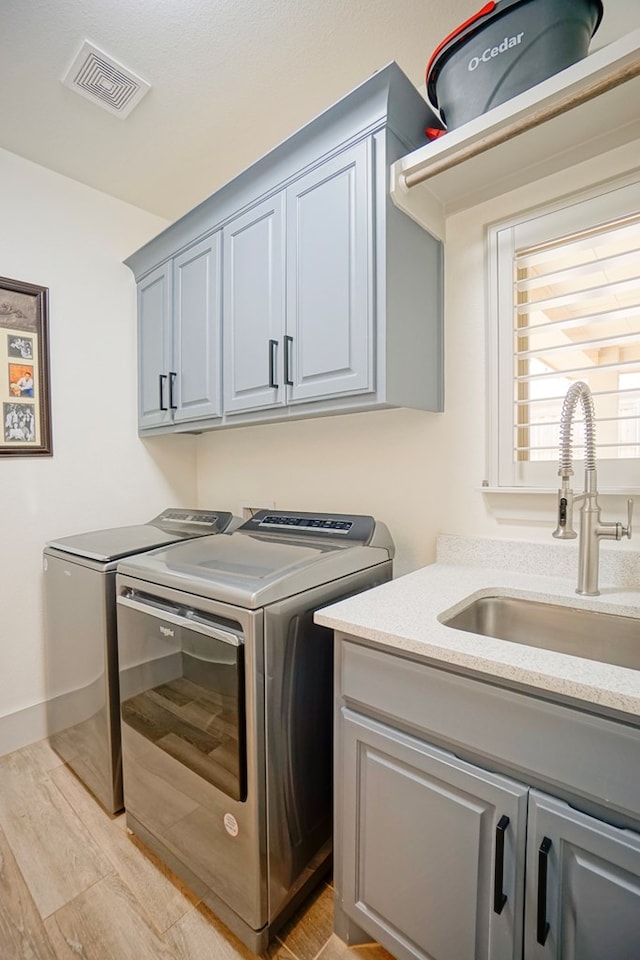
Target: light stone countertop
(402, 616)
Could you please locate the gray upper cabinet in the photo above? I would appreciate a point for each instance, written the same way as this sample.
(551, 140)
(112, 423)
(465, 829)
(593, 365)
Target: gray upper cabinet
(298, 323)
(329, 351)
(330, 298)
(194, 385)
(154, 347)
(178, 338)
(253, 311)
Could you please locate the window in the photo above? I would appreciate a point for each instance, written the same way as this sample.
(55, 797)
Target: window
(567, 301)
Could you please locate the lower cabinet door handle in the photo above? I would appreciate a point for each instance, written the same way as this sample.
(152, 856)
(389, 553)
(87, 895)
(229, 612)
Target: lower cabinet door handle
(287, 361)
(172, 379)
(273, 346)
(499, 897)
(161, 378)
(543, 859)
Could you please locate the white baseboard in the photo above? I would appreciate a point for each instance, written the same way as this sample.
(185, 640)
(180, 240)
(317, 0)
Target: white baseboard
(41, 720)
(23, 727)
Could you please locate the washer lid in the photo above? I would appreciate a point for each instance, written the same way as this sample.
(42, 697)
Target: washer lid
(117, 542)
(252, 570)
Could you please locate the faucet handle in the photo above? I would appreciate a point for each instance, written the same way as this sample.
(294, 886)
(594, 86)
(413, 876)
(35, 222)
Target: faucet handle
(626, 531)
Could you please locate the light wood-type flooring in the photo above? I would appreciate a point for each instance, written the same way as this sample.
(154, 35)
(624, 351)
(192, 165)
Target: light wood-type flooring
(75, 885)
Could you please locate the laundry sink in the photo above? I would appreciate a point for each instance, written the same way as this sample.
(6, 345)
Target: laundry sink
(605, 637)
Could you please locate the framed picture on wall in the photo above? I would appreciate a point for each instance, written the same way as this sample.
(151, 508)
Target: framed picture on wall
(24, 370)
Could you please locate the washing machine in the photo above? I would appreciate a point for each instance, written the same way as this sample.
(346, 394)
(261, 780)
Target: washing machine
(83, 710)
(226, 688)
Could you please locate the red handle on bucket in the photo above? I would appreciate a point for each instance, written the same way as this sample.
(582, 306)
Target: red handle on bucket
(488, 8)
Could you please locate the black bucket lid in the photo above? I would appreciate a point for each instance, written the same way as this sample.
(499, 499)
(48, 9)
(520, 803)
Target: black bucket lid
(444, 49)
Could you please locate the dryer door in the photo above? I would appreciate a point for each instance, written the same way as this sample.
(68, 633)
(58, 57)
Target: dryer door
(182, 687)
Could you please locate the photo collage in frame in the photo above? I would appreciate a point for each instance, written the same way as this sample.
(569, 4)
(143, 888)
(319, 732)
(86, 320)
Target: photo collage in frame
(24, 388)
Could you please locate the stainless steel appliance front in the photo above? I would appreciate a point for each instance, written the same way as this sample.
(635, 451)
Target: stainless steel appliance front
(81, 657)
(213, 692)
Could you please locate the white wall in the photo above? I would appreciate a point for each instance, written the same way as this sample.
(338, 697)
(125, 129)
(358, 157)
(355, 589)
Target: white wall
(387, 463)
(71, 239)
(419, 472)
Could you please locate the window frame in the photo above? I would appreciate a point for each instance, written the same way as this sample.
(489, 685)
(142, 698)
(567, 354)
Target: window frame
(608, 201)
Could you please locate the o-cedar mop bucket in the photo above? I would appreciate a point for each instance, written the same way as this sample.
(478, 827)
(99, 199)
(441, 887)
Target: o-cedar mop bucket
(505, 48)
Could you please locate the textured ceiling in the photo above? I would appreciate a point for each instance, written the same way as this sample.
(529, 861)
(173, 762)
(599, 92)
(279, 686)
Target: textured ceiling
(229, 80)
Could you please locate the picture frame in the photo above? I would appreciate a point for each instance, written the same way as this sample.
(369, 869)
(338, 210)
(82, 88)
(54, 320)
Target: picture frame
(25, 397)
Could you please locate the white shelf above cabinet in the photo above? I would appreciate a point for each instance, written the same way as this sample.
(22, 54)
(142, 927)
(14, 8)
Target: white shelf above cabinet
(581, 112)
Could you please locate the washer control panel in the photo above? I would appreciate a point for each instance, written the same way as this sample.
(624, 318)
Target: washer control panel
(339, 525)
(193, 521)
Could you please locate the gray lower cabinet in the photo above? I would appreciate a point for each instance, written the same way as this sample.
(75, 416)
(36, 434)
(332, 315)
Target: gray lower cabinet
(439, 857)
(179, 330)
(435, 862)
(329, 297)
(583, 885)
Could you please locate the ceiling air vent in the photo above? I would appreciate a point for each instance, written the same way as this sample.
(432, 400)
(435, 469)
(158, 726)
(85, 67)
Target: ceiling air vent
(101, 79)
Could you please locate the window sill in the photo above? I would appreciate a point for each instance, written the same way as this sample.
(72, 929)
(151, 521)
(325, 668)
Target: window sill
(553, 491)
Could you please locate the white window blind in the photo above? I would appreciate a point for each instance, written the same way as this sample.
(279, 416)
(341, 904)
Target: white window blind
(577, 317)
(568, 310)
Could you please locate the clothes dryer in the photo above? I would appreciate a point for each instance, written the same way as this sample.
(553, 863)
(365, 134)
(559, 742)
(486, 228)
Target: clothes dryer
(226, 687)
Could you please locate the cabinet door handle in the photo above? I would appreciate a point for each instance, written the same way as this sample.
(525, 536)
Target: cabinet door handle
(287, 361)
(499, 897)
(172, 378)
(273, 346)
(161, 378)
(543, 858)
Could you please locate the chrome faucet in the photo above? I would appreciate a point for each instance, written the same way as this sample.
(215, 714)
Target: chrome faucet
(592, 529)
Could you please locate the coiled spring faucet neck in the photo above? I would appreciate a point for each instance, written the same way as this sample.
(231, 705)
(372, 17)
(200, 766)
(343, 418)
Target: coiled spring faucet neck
(579, 391)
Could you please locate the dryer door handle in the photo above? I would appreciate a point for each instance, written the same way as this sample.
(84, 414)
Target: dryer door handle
(189, 622)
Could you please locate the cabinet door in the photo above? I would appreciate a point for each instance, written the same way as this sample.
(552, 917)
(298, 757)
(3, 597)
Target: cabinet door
(329, 279)
(254, 308)
(583, 886)
(433, 858)
(154, 347)
(194, 378)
